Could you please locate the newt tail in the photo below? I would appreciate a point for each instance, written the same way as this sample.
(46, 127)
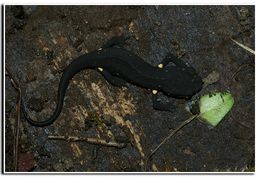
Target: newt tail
(76, 66)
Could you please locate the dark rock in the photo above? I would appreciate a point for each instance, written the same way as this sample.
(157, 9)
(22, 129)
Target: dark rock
(19, 24)
(202, 33)
(35, 104)
(26, 162)
(18, 12)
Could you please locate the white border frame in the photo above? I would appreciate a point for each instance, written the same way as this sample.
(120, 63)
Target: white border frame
(128, 2)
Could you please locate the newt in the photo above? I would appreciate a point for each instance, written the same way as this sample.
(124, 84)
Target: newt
(119, 67)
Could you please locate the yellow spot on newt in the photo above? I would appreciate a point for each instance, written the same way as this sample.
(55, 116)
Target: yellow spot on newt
(160, 66)
(155, 92)
(100, 69)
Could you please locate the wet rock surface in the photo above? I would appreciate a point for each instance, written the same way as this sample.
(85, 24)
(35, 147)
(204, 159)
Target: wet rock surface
(42, 40)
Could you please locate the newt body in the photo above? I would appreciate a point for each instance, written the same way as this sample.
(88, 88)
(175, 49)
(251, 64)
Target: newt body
(120, 66)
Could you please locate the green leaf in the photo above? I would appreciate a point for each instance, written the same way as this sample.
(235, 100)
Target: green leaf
(213, 107)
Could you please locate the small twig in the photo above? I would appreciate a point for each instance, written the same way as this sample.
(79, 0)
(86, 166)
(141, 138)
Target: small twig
(15, 84)
(173, 132)
(244, 47)
(89, 140)
(240, 68)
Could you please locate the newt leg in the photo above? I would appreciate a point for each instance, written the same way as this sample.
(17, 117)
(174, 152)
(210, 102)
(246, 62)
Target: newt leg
(116, 81)
(164, 62)
(172, 58)
(158, 105)
(181, 63)
(116, 40)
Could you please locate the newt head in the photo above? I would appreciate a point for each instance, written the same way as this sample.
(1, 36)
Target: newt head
(181, 82)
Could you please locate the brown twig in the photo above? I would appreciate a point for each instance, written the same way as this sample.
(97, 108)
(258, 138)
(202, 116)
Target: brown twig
(173, 132)
(243, 46)
(15, 84)
(89, 140)
(240, 68)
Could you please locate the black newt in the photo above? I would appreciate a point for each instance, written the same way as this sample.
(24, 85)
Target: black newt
(120, 66)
